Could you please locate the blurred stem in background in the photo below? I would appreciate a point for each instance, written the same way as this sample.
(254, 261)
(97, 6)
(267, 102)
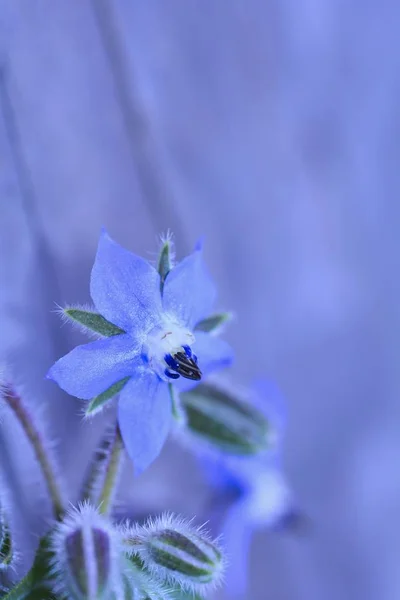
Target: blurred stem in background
(151, 175)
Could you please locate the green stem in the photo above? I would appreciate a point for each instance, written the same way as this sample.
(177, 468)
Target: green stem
(111, 475)
(14, 401)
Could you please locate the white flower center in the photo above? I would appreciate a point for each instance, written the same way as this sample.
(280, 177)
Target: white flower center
(169, 352)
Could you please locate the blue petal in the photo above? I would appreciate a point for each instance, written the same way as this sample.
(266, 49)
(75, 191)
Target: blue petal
(89, 370)
(212, 353)
(144, 415)
(189, 292)
(125, 288)
(236, 536)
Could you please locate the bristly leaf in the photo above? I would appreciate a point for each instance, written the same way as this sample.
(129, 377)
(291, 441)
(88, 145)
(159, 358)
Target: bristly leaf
(6, 546)
(165, 260)
(92, 321)
(34, 586)
(221, 420)
(214, 323)
(97, 404)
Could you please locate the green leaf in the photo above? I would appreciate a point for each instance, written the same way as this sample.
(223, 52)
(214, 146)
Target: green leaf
(6, 550)
(6, 545)
(214, 323)
(36, 580)
(97, 404)
(217, 417)
(92, 321)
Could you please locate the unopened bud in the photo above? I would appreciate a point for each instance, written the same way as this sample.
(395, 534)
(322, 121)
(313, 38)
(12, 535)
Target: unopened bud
(176, 553)
(86, 554)
(224, 421)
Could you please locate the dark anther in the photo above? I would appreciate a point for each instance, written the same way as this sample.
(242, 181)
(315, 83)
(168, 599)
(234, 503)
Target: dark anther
(171, 375)
(186, 366)
(188, 351)
(171, 362)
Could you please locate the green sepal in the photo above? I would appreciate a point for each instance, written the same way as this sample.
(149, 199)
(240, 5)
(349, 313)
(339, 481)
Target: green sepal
(214, 323)
(92, 321)
(221, 419)
(97, 404)
(164, 262)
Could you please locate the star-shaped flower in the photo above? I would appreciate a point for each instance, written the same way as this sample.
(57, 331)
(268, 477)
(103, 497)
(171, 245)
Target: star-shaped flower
(250, 492)
(157, 325)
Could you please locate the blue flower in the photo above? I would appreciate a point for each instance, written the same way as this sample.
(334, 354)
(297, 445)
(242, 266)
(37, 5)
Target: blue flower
(155, 346)
(249, 492)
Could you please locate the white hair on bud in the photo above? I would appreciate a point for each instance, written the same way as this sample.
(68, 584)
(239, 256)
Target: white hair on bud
(140, 538)
(85, 517)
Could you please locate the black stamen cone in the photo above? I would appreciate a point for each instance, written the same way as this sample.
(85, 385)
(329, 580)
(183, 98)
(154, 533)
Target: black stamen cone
(186, 366)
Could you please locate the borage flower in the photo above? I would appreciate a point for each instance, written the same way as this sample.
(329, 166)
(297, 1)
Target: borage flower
(250, 492)
(157, 325)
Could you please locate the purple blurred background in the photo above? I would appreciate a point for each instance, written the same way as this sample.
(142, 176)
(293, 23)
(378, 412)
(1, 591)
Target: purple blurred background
(271, 127)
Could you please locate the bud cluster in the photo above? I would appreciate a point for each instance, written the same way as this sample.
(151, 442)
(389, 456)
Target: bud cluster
(94, 560)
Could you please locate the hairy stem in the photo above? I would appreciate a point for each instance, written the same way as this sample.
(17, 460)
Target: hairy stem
(14, 401)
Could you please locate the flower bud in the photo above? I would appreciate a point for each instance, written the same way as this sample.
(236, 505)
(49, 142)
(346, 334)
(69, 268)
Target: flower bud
(87, 559)
(220, 419)
(176, 553)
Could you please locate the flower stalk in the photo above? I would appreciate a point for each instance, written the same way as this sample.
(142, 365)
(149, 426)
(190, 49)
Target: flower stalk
(22, 414)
